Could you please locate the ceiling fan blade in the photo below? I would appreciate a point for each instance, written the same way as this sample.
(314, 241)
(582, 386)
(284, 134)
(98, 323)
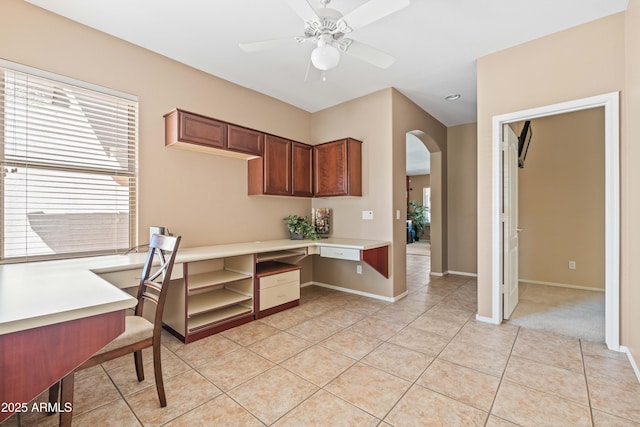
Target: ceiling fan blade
(265, 44)
(369, 54)
(371, 11)
(304, 10)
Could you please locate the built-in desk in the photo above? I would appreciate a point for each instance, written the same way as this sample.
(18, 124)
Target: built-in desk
(224, 286)
(56, 314)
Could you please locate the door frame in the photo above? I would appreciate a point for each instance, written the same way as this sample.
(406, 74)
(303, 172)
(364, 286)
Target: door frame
(610, 102)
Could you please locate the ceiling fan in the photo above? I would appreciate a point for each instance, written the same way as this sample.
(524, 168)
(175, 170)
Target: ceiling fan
(327, 29)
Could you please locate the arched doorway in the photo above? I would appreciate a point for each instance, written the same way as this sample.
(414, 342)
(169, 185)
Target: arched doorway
(418, 180)
(436, 208)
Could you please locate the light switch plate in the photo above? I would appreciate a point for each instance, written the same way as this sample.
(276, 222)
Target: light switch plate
(367, 214)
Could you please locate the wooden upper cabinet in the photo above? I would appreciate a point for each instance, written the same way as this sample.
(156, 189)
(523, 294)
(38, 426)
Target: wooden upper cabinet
(245, 140)
(277, 166)
(271, 174)
(285, 169)
(196, 132)
(182, 126)
(338, 168)
(302, 170)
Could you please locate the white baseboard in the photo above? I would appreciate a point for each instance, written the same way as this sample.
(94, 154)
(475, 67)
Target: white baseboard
(353, 291)
(634, 365)
(463, 273)
(560, 285)
(486, 319)
(431, 273)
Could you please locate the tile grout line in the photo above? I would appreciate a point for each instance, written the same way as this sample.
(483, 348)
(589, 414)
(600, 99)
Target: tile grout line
(586, 382)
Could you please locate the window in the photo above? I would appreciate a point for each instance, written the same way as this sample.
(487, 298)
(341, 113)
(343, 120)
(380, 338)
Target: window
(68, 166)
(426, 202)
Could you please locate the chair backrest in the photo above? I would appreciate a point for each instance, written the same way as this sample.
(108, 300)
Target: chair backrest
(154, 282)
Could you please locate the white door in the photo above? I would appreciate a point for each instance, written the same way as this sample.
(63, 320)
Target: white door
(510, 220)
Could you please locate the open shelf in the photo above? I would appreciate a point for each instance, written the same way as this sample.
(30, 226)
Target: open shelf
(269, 256)
(206, 320)
(213, 278)
(273, 267)
(214, 300)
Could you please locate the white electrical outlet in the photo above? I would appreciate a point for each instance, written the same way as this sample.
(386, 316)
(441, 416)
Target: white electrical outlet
(367, 214)
(397, 213)
(359, 269)
(572, 265)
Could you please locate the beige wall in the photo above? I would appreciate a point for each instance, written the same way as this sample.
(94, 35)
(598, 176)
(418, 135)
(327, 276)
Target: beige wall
(416, 184)
(367, 119)
(583, 61)
(202, 197)
(561, 201)
(408, 117)
(462, 198)
(630, 177)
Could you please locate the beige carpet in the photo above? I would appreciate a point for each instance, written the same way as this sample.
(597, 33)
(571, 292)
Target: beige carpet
(421, 247)
(573, 312)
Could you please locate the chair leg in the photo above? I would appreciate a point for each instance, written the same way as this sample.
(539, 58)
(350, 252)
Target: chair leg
(66, 400)
(137, 357)
(53, 397)
(157, 368)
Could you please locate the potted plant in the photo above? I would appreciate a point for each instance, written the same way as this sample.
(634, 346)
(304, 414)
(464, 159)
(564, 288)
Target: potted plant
(418, 217)
(300, 228)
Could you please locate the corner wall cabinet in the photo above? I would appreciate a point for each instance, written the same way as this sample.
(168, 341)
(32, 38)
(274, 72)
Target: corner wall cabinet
(337, 168)
(277, 166)
(214, 295)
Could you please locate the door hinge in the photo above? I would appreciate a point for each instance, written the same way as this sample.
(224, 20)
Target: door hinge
(503, 287)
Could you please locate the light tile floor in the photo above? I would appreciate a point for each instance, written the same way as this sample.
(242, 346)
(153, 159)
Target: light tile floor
(345, 360)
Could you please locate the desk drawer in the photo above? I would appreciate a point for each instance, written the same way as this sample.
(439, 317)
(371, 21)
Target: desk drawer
(280, 279)
(340, 253)
(280, 294)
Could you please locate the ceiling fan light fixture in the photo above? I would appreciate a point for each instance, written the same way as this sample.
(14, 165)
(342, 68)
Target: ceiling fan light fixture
(325, 56)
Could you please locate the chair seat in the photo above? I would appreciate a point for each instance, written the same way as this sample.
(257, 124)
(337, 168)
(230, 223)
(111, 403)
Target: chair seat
(137, 328)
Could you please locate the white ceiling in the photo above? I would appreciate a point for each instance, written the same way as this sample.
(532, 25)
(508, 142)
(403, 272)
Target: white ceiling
(418, 158)
(435, 43)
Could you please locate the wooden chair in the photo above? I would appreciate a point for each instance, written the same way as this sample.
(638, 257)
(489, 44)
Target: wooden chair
(139, 332)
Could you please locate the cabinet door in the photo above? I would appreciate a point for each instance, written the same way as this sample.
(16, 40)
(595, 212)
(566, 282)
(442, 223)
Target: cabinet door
(330, 169)
(277, 166)
(244, 140)
(201, 130)
(302, 170)
(338, 168)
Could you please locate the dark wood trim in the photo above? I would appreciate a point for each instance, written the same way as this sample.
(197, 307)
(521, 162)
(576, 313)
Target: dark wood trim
(217, 327)
(269, 268)
(378, 258)
(277, 308)
(33, 360)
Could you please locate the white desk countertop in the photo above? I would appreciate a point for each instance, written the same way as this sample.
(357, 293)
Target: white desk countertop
(42, 293)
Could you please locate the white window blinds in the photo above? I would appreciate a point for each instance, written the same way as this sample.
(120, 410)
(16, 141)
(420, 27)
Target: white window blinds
(68, 167)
